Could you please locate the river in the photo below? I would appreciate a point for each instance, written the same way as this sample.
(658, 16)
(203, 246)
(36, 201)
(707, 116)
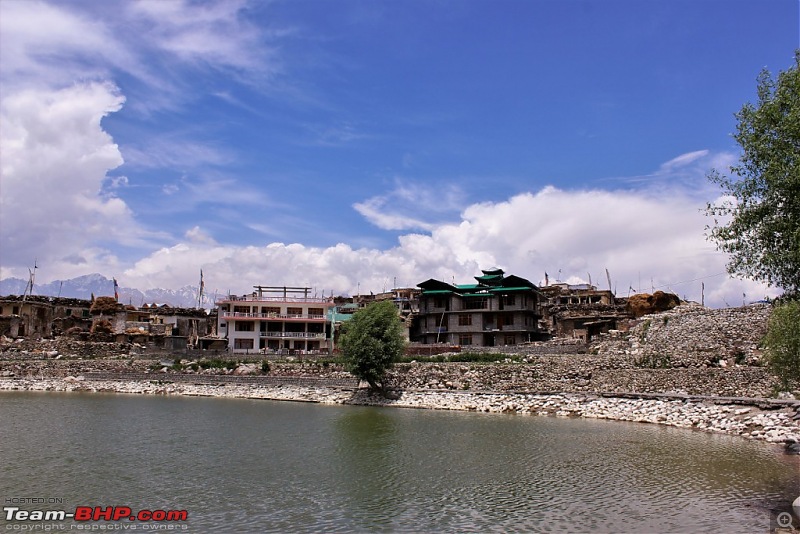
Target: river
(260, 466)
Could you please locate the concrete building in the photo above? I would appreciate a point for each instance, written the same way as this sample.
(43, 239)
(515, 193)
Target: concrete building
(275, 319)
(497, 310)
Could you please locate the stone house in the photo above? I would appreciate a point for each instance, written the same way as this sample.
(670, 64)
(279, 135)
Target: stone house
(580, 311)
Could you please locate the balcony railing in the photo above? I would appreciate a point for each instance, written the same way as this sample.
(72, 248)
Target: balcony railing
(242, 315)
(296, 335)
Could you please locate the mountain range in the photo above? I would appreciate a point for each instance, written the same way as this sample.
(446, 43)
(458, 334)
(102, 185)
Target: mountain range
(83, 287)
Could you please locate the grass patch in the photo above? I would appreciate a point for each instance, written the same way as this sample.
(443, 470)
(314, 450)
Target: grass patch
(654, 361)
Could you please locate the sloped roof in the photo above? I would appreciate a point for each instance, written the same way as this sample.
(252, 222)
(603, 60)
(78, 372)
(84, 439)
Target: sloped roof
(493, 281)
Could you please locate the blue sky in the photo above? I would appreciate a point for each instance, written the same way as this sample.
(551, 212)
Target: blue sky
(360, 144)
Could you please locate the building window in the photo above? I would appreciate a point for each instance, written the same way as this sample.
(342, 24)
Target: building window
(241, 309)
(316, 312)
(242, 326)
(15, 310)
(315, 328)
(271, 310)
(439, 302)
(465, 339)
(476, 303)
(464, 319)
(242, 343)
(508, 300)
(68, 311)
(509, 339)
(294, 311)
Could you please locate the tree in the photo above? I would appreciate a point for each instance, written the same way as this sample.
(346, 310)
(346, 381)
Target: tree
(372, 342)
(760, 227)
(783, 342)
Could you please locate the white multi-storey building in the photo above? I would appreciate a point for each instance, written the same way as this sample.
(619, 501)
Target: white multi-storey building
(273, 319)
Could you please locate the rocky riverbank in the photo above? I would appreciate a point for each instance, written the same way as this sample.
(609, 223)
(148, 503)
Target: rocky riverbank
(777, 424)
(689, 367)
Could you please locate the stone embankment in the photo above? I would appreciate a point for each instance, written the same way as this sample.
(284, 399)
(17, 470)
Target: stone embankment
(773, 422)
(691, 335)
(579, 373)
(573, 373)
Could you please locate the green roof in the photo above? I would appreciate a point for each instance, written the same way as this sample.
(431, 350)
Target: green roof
(435, 291)
(501, 289)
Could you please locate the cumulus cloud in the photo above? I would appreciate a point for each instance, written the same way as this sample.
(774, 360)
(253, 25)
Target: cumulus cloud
(57, 61)
(52, 204)
(644, 239)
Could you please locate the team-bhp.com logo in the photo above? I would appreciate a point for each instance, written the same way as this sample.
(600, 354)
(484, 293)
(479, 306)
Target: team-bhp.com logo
(96, 513)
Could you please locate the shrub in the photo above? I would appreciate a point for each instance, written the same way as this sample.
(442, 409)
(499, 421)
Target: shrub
(783, 342)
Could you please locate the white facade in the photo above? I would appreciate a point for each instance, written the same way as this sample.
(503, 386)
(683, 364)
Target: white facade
(284, 324)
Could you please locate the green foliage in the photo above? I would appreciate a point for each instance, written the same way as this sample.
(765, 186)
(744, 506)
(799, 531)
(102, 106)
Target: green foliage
(645, 328)
(372, 342)
(265, 366)
(758, 223)
(783, 342)
(654, 361)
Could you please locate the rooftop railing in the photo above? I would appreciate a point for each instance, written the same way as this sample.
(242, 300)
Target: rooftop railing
(288, 298)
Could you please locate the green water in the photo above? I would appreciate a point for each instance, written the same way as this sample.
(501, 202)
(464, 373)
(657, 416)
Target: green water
(259, 466)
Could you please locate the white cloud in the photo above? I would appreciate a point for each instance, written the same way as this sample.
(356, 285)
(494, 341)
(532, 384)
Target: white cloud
(58, 203)
(53, 203)
(197, 235)
(45, 45)
(50, 45)
(212, 34)
(411, 206)
(683, 160)
(637, 235)
(375, 211)
(166, 152)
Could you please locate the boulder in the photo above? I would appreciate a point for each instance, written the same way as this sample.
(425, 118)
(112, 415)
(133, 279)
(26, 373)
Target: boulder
(645, 304)
(247, 369)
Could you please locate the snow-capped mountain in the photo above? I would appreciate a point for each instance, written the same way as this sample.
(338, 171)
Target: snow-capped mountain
(83, 287)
